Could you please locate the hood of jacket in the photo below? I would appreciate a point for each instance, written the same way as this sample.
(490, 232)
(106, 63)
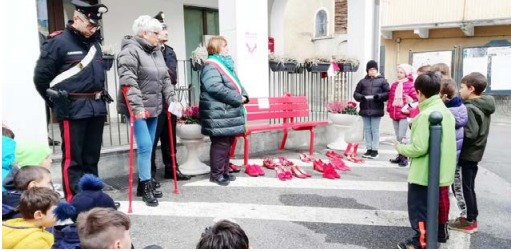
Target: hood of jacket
(139, 42)
(17, 233)
(377, 76)
(485, 103)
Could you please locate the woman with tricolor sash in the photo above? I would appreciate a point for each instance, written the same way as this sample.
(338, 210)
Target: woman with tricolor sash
(223, 115)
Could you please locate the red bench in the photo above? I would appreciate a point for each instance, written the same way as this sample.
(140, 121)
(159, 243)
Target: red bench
(286, 108)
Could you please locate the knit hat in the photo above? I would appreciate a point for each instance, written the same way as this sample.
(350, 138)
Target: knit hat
(31, 153)
(91, 195)
(371, 64)
(408, 69)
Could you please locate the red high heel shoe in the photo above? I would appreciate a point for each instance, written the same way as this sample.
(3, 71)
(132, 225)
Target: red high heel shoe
(280, 173)
(302, 172)
(339, 164)
(284, 161)
(298, 174)
(233, 168)
(333, 155)
(268, 163)
(305, 158)
(258, 169)
(318, 165)
(251, 171)
(330, 172)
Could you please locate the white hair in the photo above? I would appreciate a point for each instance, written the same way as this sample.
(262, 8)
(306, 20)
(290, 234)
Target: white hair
(146, 24)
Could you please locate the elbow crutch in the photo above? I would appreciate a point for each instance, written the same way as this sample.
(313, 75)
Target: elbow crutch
(132, 132)
(172, 151)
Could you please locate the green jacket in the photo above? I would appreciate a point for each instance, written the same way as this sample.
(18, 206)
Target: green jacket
(478, 127)
(418, 149)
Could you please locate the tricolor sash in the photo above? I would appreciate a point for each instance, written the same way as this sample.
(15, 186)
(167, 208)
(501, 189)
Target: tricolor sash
(220, 66)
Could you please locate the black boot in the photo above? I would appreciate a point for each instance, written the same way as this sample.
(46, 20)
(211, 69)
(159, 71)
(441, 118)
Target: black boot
(147, 195)
(156, 184)
(403, 162)
(395, 160)
(170, 175)
(443, 233)
(140, 190)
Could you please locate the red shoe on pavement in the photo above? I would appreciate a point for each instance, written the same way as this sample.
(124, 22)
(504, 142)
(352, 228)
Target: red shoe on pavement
(333, 155)
(318, 165)
(233, 168)
(305, 158)
(339, 164)
(269, 163)
(251, 171)
(284, 161)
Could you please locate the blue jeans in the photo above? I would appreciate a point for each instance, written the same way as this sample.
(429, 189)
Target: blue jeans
(145, 130)
(372, 132)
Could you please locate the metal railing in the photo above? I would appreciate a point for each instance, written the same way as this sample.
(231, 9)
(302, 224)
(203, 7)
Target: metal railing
(318, 90)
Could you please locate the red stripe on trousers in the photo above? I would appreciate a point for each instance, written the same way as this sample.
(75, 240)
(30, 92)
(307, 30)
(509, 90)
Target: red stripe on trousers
(443, 205)
(67, 160)
(422, 237)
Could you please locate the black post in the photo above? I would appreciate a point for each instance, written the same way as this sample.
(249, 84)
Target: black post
(435, 137)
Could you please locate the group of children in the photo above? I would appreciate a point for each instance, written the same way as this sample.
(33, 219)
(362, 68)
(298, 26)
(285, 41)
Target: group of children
(465, 129)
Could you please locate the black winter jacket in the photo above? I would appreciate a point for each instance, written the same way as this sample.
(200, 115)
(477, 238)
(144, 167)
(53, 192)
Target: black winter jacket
(62, 52)
(372, 86)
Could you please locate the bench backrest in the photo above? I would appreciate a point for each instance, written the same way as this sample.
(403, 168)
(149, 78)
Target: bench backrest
(277, 108)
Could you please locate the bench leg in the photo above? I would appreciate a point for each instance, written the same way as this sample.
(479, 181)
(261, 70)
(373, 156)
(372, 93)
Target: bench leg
(311, 146)
(247, 144)
(233, 147)
(283, 143)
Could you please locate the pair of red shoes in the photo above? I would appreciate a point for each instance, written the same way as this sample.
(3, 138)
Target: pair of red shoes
(327, 169)
(353, 155)
(336, 161)
(283, 173)
(254, 170)
(299, 173)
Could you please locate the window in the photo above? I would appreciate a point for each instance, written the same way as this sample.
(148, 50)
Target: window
(321, 23)
(341, 16)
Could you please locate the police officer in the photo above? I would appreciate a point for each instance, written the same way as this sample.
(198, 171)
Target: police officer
(69, 75)
(162, 129)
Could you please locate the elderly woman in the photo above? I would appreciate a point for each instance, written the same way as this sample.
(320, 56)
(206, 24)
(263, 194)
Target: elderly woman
(144, 77)
(221, 107)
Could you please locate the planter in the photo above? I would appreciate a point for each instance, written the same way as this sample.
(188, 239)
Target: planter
(299, 69)
(349, 67)
(342, 123)
(319, 67)
(289, 67)
(195, 66)
(108, 61)
(192, 138)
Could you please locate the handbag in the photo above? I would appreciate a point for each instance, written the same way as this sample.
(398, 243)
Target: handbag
(355, 134)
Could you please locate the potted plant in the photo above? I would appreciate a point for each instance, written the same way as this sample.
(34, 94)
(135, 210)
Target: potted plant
(317, 64)
(347, 64)
(189, 124)
(342, 114)
(282, 63)
(108, 56)
(199, 55)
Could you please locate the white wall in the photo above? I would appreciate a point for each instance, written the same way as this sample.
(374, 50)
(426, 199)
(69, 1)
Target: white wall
(245, 26)
(22, 107)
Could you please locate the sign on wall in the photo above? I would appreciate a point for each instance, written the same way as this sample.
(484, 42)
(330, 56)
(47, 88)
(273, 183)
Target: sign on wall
(493, 62)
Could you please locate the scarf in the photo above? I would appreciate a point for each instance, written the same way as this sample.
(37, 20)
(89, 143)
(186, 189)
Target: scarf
(398, 95)
(218, 61)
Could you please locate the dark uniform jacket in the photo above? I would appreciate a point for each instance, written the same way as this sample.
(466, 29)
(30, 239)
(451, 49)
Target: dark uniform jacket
(62, 52)
(171, 61)
(220, 104)
(372, 86)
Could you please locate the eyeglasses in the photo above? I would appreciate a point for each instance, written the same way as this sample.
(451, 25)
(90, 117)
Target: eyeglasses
(89, 26)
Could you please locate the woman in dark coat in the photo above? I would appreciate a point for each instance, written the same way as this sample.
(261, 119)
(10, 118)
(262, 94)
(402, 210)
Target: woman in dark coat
(372, 91)
(221, 107)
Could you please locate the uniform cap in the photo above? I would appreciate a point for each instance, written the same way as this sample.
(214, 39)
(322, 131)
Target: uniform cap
(93, 12)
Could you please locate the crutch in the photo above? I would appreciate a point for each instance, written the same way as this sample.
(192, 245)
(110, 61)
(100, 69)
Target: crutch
(132, 132)
(172, 152)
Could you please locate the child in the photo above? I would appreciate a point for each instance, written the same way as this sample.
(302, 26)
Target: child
(423, 69)
(104, 228)
(400, 91)
(26, 178)
(90, 196)
(28, 153)
(443, 69)
(479, 108)
(428, 87)
(459, 111)
(223, 235)
(372, 91)
(36, 207)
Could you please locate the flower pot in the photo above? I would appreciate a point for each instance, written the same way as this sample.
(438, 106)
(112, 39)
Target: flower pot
(319, 67)
(189, 131)
(289, 67)
(342, 119)
(108, 61)
(347, 67)
(196, 66)
(342, 123)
